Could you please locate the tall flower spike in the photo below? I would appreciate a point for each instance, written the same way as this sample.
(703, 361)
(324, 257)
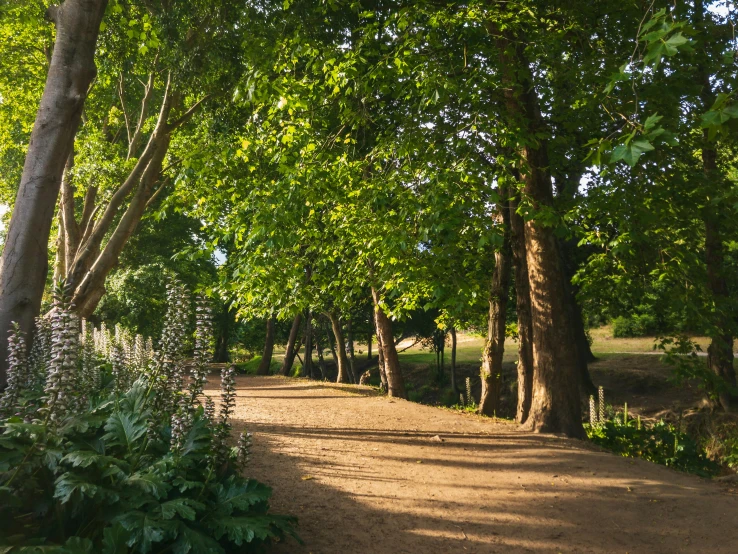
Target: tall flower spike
(17, 372)
(227, 402)
(59, 390)
(243, 449)
(210, 410)
(227, 393)
(40, 356)
(203, 337)
(592, 411)
(468, 392)
(601, 398)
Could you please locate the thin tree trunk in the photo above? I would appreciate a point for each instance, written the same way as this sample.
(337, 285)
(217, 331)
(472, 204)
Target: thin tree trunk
(266, 357)
(369, 346)
(343, 363)
(395, 383)
(523, 308)
(24, 263)
(494, 346)
(321, 361)
(380, 357)
(351, 354)
(454, 386)
(222, 354)
(291, 349)
(555, 405)
(308, 365)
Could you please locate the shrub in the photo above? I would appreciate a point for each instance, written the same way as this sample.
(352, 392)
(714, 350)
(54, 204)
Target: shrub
(661, 443)
(105, 446)
(637, 325)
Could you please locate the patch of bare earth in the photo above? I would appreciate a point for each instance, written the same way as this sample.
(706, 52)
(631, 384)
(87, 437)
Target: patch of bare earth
(365, 473)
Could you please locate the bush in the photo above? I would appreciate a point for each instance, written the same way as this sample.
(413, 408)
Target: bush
(661, 443)
(106, 448)
(638, 325)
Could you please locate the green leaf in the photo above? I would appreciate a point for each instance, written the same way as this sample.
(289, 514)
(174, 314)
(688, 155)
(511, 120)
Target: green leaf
(184, 507)
(114, 541)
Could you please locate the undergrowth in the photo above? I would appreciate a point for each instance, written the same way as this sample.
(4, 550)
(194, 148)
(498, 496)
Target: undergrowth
(109, 447)
(660, 442)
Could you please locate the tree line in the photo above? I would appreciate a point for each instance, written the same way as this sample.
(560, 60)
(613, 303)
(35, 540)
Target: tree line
(541, 164)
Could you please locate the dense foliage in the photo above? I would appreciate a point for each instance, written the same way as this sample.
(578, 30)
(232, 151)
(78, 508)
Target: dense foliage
(108, 446)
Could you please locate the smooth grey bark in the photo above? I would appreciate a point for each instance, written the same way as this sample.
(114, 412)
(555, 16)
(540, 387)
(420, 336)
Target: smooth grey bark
(24, 263)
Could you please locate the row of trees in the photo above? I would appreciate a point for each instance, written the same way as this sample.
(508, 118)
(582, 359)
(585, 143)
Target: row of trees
(535, 162)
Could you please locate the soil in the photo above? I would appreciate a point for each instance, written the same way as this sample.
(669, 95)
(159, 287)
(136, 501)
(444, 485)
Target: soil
(365, 473)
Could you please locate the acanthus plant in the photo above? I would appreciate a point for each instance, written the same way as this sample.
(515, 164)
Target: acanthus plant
(89, 463)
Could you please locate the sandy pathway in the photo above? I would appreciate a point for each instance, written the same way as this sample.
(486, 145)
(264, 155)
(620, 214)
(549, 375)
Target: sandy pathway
(368, 474)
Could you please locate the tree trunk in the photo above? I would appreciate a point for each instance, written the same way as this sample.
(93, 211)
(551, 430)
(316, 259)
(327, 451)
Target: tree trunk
(720, 350)
(369, 347)
(321, 361)
(380, 360)
(291, 348)
(581, 344)
(351, 354)
(342, 361)
(266, 357)
(494, 346)
(525, 325)
(555, 405)
(395, 383)
(222, 354)
(308, 365)
(454, 386)
(24, 263)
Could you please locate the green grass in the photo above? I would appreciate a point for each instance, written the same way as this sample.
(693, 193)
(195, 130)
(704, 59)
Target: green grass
(250, 367)
(469, 349)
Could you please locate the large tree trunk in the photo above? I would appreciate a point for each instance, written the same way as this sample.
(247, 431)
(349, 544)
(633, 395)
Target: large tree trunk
(24, 263)
(720, 350)
(291, 349)
(525, 325)
(395, 383)
(494, 346)
(454, 385)
(343, 363)
(581, 344)
(266, 357)
(555, 405)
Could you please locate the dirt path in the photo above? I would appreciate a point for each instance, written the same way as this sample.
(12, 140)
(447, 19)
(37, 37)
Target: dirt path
(367, 474)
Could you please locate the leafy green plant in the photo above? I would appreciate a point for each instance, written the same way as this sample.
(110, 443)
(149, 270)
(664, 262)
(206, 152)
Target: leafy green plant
(126, 459)
(660, 442)
(636, 325)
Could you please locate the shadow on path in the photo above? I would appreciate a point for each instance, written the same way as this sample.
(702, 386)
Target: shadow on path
(369, 474)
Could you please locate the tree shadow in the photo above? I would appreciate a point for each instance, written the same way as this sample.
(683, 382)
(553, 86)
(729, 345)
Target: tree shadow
(361, 489)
